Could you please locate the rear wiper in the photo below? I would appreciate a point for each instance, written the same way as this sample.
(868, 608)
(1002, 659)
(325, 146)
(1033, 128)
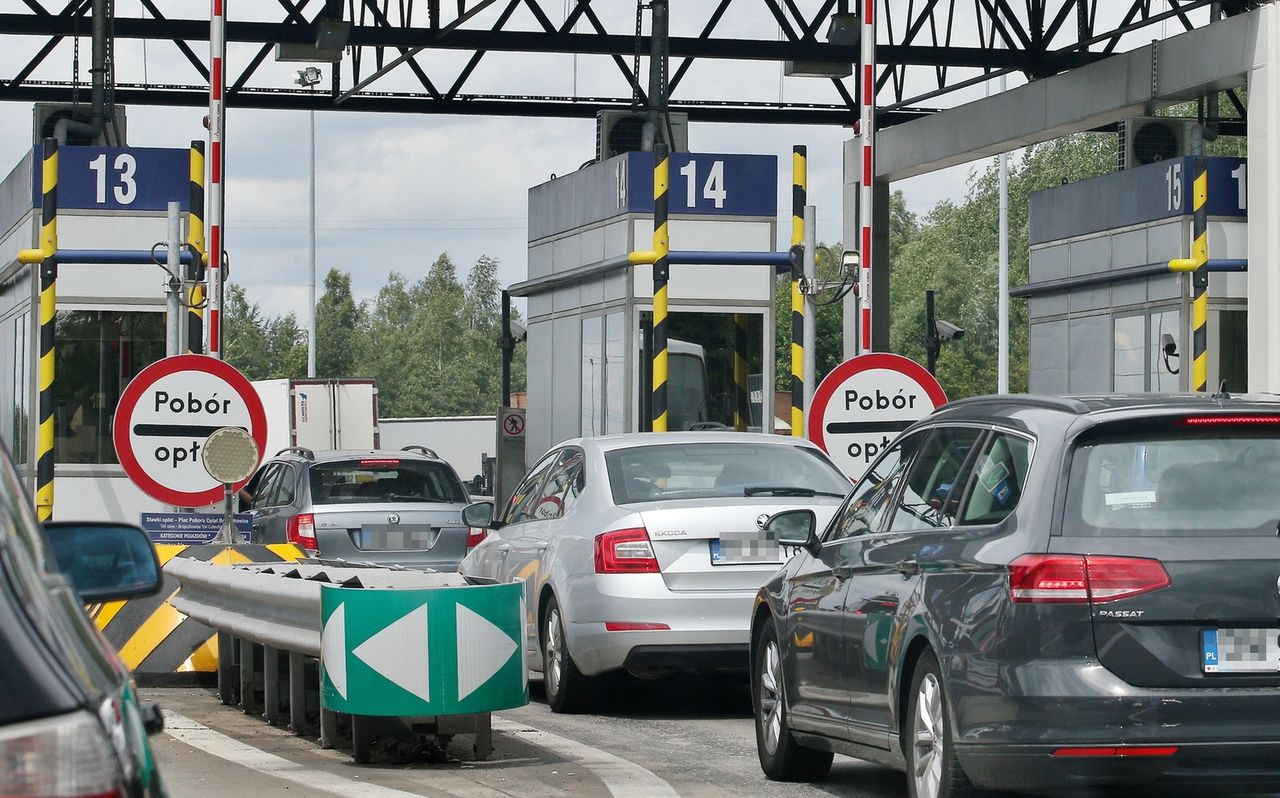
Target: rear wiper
(787, 490)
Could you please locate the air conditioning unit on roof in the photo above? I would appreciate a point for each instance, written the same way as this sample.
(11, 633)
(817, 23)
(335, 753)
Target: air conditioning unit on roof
(1147, 139)
(620, 131)
(47, 116)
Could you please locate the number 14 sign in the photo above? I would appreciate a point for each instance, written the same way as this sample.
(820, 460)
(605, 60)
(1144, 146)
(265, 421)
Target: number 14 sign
(117, 178)
(703, 183)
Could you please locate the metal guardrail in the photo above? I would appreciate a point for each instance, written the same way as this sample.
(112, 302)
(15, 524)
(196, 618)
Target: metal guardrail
(269, 615)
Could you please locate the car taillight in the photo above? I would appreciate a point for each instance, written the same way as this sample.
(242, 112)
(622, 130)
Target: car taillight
(475, 536)
(625, 551)
(1226, 421)
(67, 756)
(1077, 579)
(301, 530)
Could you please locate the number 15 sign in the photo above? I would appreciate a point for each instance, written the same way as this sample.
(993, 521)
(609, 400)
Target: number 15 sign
(117, 178)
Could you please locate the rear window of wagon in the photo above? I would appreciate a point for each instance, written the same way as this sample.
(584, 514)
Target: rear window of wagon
(1167, 479)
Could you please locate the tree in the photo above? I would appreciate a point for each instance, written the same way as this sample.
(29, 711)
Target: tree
(244, 335)
(340, 325)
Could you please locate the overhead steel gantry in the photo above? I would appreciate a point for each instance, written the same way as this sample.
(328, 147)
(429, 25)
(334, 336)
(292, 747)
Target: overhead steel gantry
(928, 49)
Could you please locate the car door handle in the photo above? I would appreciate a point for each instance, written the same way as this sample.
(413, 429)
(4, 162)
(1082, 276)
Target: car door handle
(908, 567)
(542, 546)
(842, 571)
(504, 549)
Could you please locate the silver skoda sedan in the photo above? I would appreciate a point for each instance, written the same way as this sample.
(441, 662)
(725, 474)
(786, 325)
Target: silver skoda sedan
(643, 552)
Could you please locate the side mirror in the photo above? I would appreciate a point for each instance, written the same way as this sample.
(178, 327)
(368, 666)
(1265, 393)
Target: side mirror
(479, 515)
(103, 561)
(794, 528)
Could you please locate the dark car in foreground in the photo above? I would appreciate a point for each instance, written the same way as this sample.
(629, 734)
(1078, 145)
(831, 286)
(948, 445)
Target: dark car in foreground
(1038, 593)
(373, 506)
(70, 720)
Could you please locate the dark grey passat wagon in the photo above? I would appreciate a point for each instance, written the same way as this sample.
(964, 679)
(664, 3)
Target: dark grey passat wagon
(1034, 593)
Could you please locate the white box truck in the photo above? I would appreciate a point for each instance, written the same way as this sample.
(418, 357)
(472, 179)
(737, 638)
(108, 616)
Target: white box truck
(319, 414)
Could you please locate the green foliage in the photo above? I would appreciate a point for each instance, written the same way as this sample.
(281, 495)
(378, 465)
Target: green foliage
(432, 346)
(955, 253)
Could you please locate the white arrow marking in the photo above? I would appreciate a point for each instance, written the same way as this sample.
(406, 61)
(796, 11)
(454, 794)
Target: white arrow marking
(482, 651)
(393, 652)
(333, 649)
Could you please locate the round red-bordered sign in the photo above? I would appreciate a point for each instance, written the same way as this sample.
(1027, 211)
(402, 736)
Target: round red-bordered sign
(200, 394)
(903, 379)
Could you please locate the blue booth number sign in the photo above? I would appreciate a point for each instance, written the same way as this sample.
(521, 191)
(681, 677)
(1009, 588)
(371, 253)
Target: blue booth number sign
(703, 183)
(117, 178)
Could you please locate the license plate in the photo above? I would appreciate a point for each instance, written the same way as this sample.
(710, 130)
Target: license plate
(746, 550)
(393, 537)
(1240, 650)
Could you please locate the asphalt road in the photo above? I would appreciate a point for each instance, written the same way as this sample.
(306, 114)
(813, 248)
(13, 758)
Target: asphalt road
(687, 737)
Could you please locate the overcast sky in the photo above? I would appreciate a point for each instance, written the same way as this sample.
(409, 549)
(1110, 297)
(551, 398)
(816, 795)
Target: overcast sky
(394, 191)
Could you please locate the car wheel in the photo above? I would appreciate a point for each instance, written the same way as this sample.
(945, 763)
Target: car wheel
(564, 683)
(781, 757)
(933, 771)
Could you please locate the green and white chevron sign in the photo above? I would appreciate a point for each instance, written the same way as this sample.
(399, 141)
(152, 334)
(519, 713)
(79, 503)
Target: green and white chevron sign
(437, 651)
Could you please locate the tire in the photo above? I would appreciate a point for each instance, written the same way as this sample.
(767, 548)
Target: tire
(565, 685)
(781, 757)
(933, 771)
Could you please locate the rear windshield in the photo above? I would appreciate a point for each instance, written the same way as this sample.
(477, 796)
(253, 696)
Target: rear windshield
(1176, 483)
(384, 480)
(702, 470)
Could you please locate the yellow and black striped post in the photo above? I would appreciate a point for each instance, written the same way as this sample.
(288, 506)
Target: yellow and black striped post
(1200, 279)
(46, 257)
(1197, 265)
(195, 243)
(661, 245)
(741, 390)
(799, 186)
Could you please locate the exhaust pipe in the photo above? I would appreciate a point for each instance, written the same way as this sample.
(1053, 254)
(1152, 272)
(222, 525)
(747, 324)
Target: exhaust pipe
(98, 76)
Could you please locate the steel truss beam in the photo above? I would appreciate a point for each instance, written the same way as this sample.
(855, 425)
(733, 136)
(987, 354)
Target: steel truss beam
(928, 49)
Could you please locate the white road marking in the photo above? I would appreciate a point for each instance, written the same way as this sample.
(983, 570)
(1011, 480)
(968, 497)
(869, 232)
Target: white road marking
(220, 745)
(623, 778)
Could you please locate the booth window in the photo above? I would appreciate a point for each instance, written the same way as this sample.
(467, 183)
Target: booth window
(20, 429)
(98, 352)
(1128, 372)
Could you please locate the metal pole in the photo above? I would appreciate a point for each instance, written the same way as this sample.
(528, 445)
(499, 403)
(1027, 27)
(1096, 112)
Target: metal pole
(311, 272)
(867, 127)
(799, 191)
(173, 283)
(508, 345)
(195, 242)
(46, 257)
(217, 169)
(1003, 311)
(661, 245)
(1200, 279)
(931, 343)
(849, 238)
(810, 320)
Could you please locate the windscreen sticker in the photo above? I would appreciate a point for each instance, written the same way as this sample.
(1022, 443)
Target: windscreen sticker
(993, 476)
(1131, 498)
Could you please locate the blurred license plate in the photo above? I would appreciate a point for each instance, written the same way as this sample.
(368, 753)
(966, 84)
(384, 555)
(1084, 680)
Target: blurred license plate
(745, 550)
(1240, 650)
(394, 537)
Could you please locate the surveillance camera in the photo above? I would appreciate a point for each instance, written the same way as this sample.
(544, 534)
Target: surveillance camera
(1168, 345)
(518, 331)
(948, 331)
(849, 263)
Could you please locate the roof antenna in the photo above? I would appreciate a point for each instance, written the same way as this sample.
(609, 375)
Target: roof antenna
(1221, 396)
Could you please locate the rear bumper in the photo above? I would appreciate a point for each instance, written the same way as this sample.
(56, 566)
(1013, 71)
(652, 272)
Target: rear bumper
(706, 629)
(1236, 766)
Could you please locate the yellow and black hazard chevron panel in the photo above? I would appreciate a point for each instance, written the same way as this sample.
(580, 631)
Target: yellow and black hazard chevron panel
(154, 638)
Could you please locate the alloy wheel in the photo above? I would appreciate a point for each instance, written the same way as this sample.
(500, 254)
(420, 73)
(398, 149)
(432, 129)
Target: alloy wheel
(770, 707)
(555, 651)
(927, 739)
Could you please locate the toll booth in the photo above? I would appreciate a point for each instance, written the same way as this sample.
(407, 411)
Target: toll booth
(1106, 312)
(590, 310)
(109, 321)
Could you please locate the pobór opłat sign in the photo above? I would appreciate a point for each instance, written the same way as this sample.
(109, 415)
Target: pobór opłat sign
(165, 415)
(862, 405)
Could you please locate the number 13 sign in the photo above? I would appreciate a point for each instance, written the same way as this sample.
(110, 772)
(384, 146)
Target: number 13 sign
(118, 178)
